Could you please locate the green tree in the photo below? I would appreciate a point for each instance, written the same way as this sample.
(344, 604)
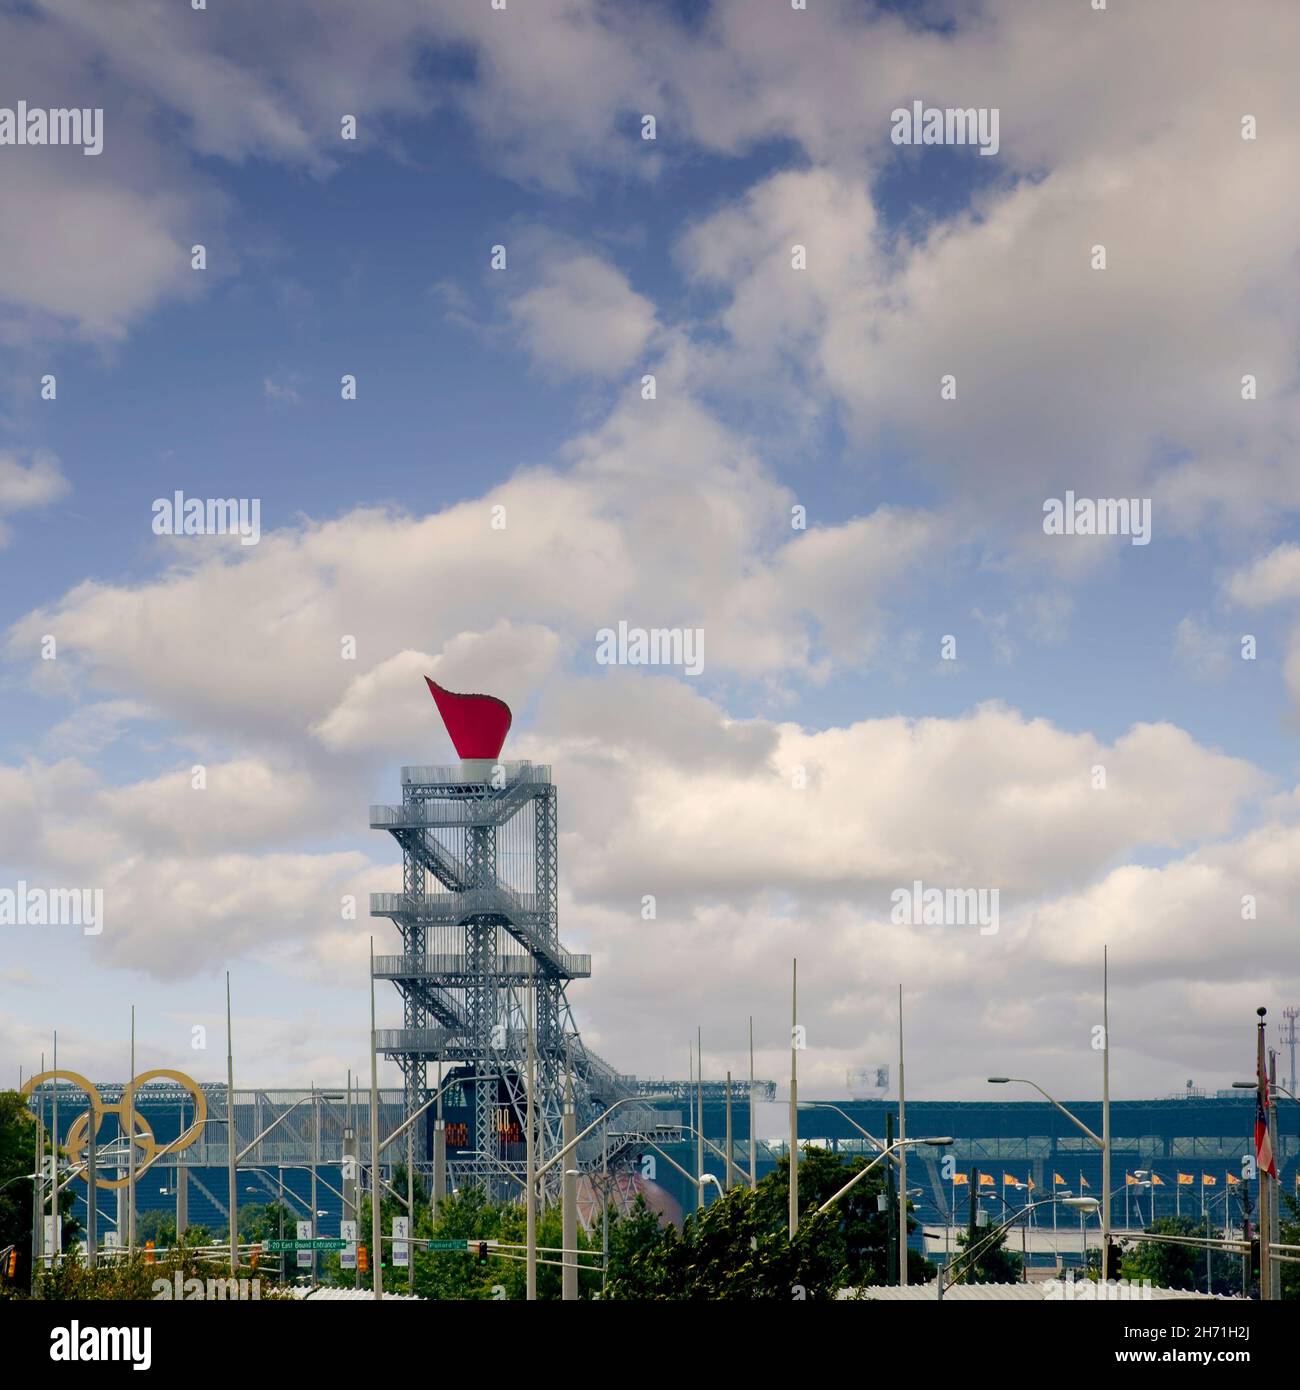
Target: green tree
(17, 1160)
(1173, 1266)
(17, 1157)
(1289, 1234)
(738, 1246)
(993, 1264)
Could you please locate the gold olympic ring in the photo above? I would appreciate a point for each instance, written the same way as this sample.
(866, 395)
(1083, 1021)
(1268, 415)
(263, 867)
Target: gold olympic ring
(76, 1140)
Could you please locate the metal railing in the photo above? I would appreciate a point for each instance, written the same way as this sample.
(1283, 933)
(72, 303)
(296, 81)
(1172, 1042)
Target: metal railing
(455, 775)
(431, 966)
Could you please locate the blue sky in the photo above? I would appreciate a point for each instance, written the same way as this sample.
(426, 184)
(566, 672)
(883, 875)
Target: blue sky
(776, 387)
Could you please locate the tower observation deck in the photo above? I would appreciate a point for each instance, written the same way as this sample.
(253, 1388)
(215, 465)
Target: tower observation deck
(478, 923)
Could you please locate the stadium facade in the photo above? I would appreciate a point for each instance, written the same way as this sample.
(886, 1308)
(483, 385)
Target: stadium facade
(1023, 1146)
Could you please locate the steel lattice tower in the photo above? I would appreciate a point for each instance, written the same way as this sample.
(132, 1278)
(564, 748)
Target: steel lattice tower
(478, 922)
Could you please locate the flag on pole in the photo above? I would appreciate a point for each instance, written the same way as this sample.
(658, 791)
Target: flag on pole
(1059, 1181)
(1031, 1184)
(1009, 1181)
(1233, 1182)
(1186, 1179)
(1131, 1181)
(1208, 1181)
(958, 1179)
(1157, 1180)
(986, 1180)
(1264, 1159)
(1083, 1182)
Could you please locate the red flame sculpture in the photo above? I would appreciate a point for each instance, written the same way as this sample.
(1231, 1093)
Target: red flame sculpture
(478, 724)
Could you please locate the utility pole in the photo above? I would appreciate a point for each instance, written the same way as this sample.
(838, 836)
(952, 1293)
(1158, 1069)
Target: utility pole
(410, 1207)
(439, 1151)
(972, 1222)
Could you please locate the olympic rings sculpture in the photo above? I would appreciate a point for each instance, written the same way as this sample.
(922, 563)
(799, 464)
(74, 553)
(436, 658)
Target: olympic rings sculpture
(76, 1141)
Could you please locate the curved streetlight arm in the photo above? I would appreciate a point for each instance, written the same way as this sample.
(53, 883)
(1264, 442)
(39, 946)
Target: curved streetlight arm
(595, 1124)
(690, 1177)
(1073, 1119)
(978, 1249)
(862, 1172)
(735, 1167)
(866, 1134)
(279, 1119)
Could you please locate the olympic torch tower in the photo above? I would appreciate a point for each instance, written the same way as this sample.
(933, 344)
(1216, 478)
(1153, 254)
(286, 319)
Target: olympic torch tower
(477, 918)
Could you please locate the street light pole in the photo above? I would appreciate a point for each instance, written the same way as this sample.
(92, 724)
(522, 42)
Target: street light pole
(129, 1112)
(794, 1099)
(57, 1225)
(902, 1153)
(530, 1152)
(699, 1113)
(231, 1139)
(753, 1121)
(888, 1152)
(376, 1261)
(1105, 1114)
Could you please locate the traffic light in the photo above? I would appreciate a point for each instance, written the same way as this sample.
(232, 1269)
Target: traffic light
(363, 1259)
(148, 1252)
(482, 1252)
(13, 1263)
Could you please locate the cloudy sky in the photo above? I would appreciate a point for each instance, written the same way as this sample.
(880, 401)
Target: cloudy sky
(905, 678)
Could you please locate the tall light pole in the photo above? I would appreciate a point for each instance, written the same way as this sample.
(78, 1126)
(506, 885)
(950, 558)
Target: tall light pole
(129, 1111)
(530, 1151)
(376, 1260)
(1105, 1114)
(794, 1099)
(569, 1195)
(730, 1142)
(232, 1140)
(699, 1114)
(902, 1152)
(57, 1225)
(1102, 1141)
(753, 1121)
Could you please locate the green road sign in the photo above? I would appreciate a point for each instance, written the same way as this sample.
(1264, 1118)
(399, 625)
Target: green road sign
(448, 1245)
(276, 1247)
